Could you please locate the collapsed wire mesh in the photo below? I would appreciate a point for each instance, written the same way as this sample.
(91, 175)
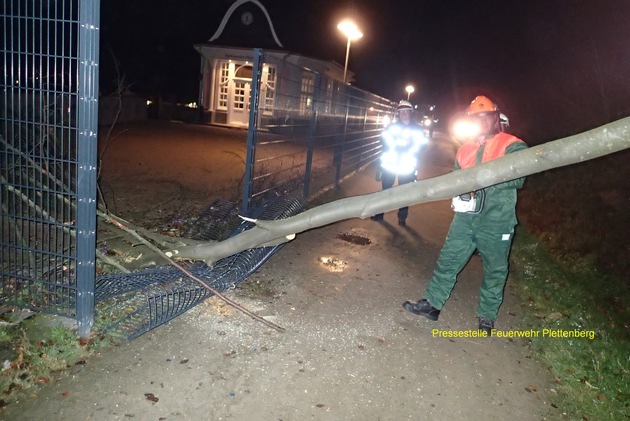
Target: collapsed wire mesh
(140, 301)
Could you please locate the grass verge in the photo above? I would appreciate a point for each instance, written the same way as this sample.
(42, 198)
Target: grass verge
(35, 350)
(592, 376)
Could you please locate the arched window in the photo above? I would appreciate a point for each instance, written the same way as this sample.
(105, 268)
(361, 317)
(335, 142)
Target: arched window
(244, 72)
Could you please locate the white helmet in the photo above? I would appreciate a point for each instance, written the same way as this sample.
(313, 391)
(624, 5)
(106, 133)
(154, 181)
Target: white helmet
(404, 105)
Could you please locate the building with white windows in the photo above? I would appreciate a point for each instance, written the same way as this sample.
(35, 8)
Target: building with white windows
(227, 69)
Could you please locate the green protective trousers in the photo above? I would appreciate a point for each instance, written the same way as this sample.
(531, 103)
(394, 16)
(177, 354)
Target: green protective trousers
(493, 239)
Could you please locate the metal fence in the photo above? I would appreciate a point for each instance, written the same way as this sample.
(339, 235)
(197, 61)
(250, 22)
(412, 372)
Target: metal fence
(48, 136)
(307, 131)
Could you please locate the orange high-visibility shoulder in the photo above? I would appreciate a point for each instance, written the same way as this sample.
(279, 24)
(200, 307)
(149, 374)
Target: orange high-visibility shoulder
(466, 154)
(495, 147)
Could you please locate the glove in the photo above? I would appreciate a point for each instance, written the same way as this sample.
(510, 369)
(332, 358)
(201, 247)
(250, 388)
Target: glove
(379, 174)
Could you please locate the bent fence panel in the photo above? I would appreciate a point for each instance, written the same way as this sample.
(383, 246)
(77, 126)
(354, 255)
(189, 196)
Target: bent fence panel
(137, 302)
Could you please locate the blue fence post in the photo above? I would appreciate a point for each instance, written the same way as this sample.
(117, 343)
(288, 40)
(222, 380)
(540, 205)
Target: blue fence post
(87, 112)
(342, 147)
(252, 132)
(365, 119)
(312, 132)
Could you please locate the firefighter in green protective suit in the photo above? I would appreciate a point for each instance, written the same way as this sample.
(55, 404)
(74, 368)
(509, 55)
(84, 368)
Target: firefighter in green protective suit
(484, 221)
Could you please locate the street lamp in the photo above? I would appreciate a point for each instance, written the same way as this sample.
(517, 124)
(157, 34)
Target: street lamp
(409, 90)
(351, 31)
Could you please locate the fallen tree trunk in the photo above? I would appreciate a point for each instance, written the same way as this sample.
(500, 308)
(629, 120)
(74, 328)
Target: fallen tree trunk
(582, 147)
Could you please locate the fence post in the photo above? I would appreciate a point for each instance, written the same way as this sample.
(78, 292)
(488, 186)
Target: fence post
(342, 147)
(312, 131)
(252, 132)
(365, 119)
(87, 111)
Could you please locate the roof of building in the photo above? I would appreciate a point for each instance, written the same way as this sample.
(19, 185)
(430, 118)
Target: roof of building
(246, 24)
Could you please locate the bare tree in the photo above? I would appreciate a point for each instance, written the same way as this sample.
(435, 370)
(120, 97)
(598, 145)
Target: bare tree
(592, 144)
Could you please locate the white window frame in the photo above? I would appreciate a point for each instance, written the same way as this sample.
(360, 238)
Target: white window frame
(307, 90)
(223, 89)
(269, 83)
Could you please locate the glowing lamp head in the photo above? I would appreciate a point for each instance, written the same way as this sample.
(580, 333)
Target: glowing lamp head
(350, 30)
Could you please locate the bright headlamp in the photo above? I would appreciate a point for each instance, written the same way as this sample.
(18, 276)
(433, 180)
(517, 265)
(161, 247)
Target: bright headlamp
(466, 129)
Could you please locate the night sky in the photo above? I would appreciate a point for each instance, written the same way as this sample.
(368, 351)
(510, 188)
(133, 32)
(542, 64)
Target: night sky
(556, 67)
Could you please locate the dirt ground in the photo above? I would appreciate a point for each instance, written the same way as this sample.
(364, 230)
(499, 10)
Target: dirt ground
(349, 351)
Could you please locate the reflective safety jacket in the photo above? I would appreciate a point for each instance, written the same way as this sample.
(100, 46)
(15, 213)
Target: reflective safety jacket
(401, 147)
(500, 199)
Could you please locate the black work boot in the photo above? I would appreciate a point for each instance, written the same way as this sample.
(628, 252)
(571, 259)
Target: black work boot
(402, 222)
(486, 325)
(377, 217)
(422, 308)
